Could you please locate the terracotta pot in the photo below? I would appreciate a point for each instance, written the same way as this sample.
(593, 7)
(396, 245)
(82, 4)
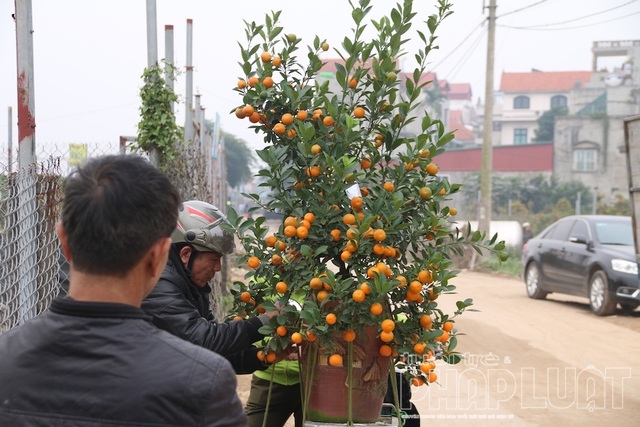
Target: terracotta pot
(328, 393)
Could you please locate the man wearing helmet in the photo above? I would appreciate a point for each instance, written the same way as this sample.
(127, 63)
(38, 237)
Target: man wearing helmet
(179, 303)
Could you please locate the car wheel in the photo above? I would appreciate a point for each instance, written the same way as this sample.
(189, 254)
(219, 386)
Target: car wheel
(627, 308)
(532, 280)
(600, 299)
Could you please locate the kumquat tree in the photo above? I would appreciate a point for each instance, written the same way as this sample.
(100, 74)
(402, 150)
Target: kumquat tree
(367, 233)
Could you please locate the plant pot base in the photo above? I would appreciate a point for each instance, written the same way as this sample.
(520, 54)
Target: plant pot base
(329, 391)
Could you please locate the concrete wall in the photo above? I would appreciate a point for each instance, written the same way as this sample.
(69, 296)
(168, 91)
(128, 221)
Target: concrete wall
(571, 132)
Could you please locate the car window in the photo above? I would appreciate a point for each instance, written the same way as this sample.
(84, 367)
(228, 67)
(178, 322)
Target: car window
(614, 233)
(580, 229)
(561, 230)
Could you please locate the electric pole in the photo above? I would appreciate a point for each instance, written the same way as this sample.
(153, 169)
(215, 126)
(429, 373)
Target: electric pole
(487, 133)
(26, 97)
(152, 34)
(152, 58)
(26, 184)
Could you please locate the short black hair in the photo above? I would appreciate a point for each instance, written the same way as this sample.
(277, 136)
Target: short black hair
(115, 208)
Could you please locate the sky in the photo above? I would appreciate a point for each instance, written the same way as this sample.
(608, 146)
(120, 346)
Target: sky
(89, 55)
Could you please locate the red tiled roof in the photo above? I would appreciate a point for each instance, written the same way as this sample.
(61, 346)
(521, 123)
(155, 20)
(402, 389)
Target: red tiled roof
(506, 158)
(543, 81)
(461, 132)
(459, 91)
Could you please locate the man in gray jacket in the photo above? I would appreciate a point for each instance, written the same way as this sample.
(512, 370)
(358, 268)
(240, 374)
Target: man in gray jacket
(95, 358)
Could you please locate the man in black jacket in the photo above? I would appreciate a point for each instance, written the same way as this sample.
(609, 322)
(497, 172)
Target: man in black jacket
(95, 358)
(179, 303)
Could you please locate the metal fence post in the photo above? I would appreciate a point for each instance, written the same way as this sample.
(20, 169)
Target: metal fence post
(27, 215)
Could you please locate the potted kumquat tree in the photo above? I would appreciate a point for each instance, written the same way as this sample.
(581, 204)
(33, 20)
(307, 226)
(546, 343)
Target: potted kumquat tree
(366, 233)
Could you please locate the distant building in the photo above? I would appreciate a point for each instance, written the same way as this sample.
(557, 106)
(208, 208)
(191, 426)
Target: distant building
(523, 97)
(587, 144)
(449, 102)
(461, 117)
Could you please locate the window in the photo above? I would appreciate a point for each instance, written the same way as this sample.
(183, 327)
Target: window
(519, 136)
(614, 232)
(560, 231)
(497, 126)
(558, 101)
(521, 102)
(580, 229)
(585, 160)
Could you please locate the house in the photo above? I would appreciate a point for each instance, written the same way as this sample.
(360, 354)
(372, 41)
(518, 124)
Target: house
(459, 95)
(524, 97)
(461, 115)
(587, 144)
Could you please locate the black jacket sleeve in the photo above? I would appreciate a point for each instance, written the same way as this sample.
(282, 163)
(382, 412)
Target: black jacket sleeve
(174, 313)
(246, 361)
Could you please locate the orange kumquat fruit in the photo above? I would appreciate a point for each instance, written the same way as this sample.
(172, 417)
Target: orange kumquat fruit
(335, 360)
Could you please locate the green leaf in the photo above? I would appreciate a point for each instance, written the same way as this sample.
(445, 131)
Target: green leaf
(244, 227)
(396, 18)
(306, 250)
(357, 15)
(452, 359)
(320, 250)
(266, 330)
(232, 216)
(268, 305)
(453, 343)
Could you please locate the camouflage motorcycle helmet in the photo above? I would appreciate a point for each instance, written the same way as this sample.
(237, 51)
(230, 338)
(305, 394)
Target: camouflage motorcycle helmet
(199, 226)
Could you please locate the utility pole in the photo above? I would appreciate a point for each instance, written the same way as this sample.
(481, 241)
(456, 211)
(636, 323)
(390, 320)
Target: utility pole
(26, 98)
(487, 134)
(168, 57)
(152, 58)
(189, 133)
(27, 207)
(152, 34)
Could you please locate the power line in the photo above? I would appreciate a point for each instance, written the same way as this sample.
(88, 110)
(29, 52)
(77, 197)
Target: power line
(537, 27)
(458, 66)
(521, 9)
(578, 19)
(460, 44)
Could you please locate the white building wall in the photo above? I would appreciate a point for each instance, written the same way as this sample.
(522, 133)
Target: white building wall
(521, 118)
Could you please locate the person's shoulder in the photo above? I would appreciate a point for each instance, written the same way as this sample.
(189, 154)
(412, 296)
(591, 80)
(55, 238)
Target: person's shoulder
(180, 348)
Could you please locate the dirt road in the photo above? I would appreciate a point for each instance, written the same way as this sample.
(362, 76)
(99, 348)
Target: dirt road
(532, 363)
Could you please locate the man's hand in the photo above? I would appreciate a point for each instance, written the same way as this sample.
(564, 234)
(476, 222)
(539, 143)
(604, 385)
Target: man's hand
(275, 312)
(289, 353)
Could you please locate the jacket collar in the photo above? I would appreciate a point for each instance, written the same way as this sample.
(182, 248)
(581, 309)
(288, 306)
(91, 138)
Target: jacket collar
(70, 307)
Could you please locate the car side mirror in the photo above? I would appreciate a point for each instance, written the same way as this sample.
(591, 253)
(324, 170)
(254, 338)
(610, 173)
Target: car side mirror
(579, 238)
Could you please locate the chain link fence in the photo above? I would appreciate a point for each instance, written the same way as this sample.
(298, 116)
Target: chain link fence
(28, 247)
(30, 205)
